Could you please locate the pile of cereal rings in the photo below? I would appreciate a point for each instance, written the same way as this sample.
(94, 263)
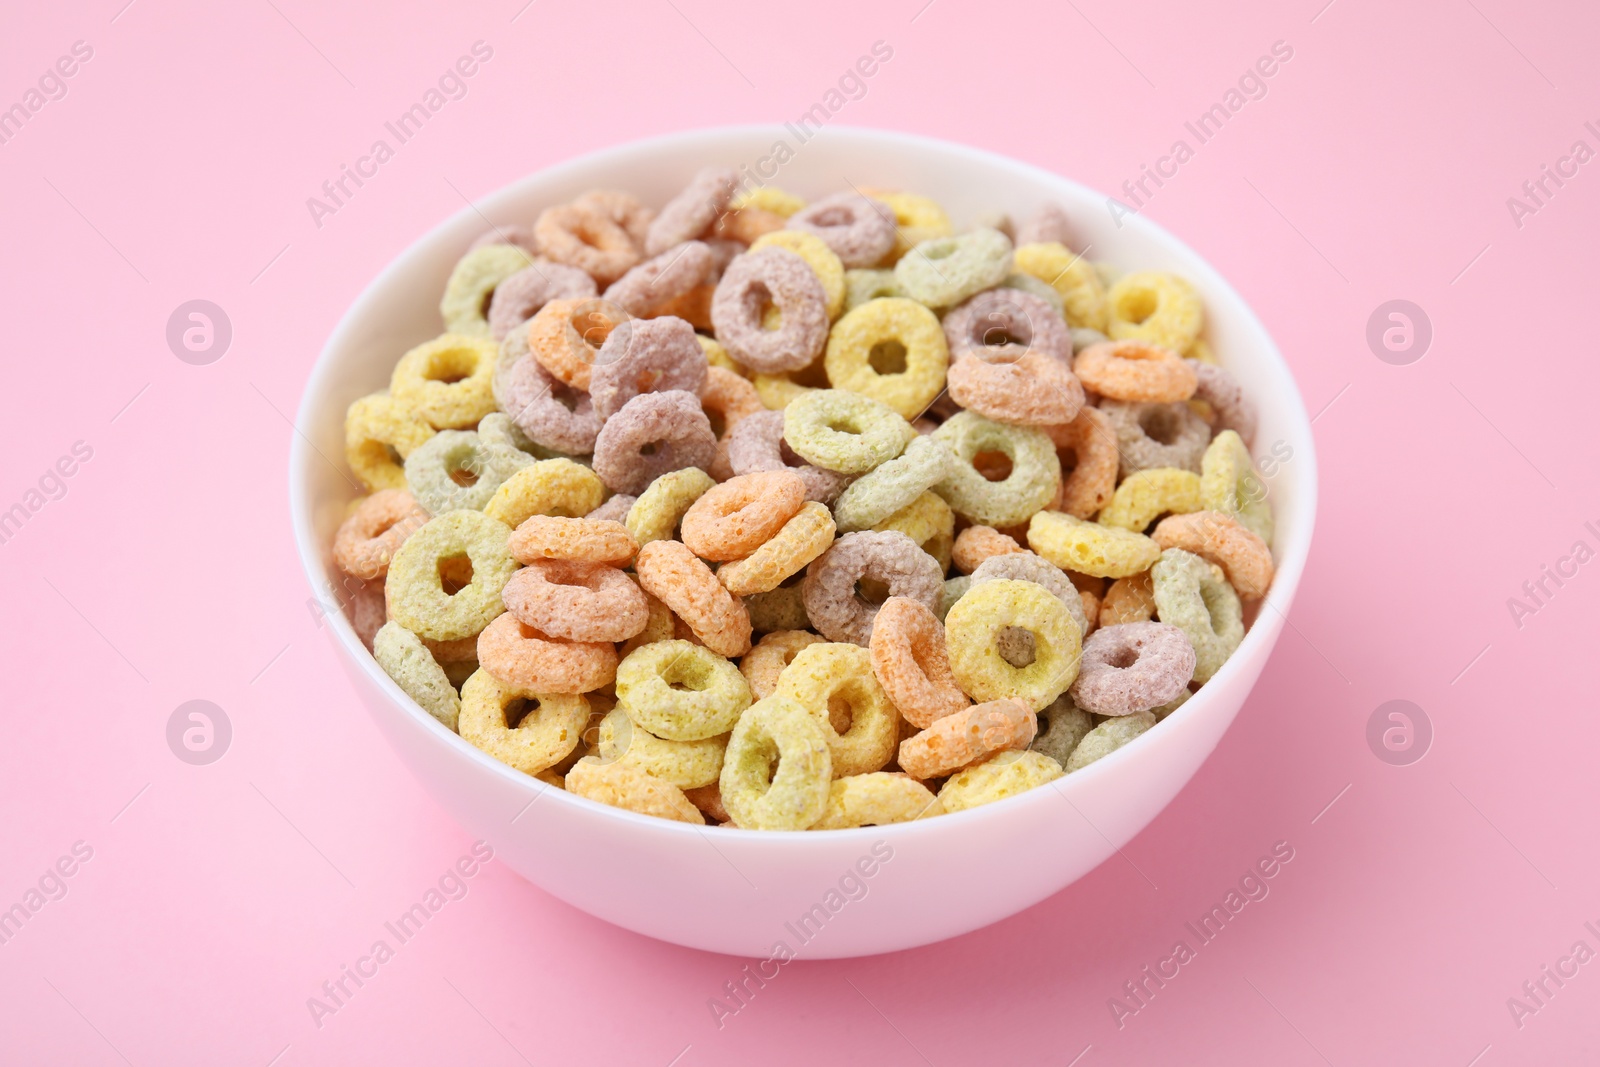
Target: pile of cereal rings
(781, 516)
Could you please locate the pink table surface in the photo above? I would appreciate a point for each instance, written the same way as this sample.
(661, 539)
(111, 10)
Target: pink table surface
(1377, 166)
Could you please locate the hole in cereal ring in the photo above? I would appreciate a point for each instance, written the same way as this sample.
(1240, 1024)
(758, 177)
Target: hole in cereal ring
(871, 591)
(887, 357)
(837, 215)
(648, 448)
(995, 466)
(1016, 646)
(942, 250)
(464, 476)
(455, 573)
(1137, 305)
(1123, 657)
(1069, 460)
(718, 423)
(839, 714)
(483, 305)
(1160, 425)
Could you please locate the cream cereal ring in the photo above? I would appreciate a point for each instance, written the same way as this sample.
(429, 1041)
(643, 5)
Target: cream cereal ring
(376, 428)
(691, 213)
(777, 769)
(669, 572)
(519, 655)
(519, 297)
(627, 785)
(1192, 595)
(658, 281)
(1145, 495)
(414, 589)
(826, 673)
(547, 728)
(876, 799)
(802, 539)
(1221, 390)
(681, 691)
(546, 487)
(1133, 667)
(448, 381)
(756, 444)
(686, 764)
(974, 627)
(967, 737)
(1157, 435)
(646, 355)
(1229, 484)
(1223, 540)
(656, 513)
(1089, 548)
(911, 664)
(374, 532)
(653, 434)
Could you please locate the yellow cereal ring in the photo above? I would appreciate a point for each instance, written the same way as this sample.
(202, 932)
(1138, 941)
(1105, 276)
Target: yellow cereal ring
(973, 630)
(686, 764)
(802, 539)
(376, 429)
(1156, 307)
(892, 350)
(1202, 351)
(818, 256)
(662, 625)
(547, 487)
(1145, 494)
(415, 588)
(681, 691)
(1090, 548)
(447, 381)
(1002, 775)
(1229, 484)
(548, 726)
(472, 283)
(717, 356)
(627, 785)
(928, 521)
(777, 770)
(824, 673)
(876, 799)
(769, 198)
(658, 511)
(916, 218)
(1082, 293)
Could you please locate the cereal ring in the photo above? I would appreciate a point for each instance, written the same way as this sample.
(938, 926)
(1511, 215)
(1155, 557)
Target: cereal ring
(521, 236)
(566, 337)
(1003, 325)
(728, 399)
(615, 509)
(1089, 548)
(1162, 309)
(658, 281)
(782, 608)
(1220, 389)
(861, 286)
(519, 655)
(1193, 596)
(1229, 484)
(876, 799)
(520, 296)
(802, 538)
(1090, 478)
(669, 572)
(777, 770)
(591, 234)
(946, 270)
(415, 589)
(832, 604)
(1061, 726)
(454, 470)
(954, 589)
(930, 524)
(894, 484)
(472, 285)
(1083, 338)
(1171, 706)
(1047, 225)
(656, 513)
(910, 661)
(374, 532)
(653, 433)
(1157, 435)
(1135, 371)
(1002, 775)
(363, 604)
(891, 350)
(1133, 667)
(691, 213)
(549, 412)
(967, 737)
(746, 224)
(1130, 599)
(686, 764)
(769, 198)
(376, 428)
(778, 278)
(681, 691)
(1107, 738)
(818, 256)
(1027, 283)
(447, 381)
(496, 430)
(403, 658)
(646, 355)
(858, 229)
(1028, 567)
(827, 676)
(1083, 295)
(977, 543)
(756, 444)
(1032, 390)
(546, 487)
(762, 665)
(843, 431)
(547, 725)
(735, 518)
(708, 798)
(628, 786)
(576, 601)
(586, 540)
(1143, 495)
(973, 628)
(1034, 475)
(1221, 539)
(916, 218)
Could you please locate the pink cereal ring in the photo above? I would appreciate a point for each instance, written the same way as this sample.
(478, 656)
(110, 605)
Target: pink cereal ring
(519, 655)
(1032, 390)
(890, 557)
(516, 234)
(1219, 388)
(770, 277)
(733, 519)
(576, 601)
(1132, 667)
(653, 434)
(858, 229)
(910, 662)
(646, 356)
(645, 289)
(586, 540)
(669, 572)
(566, 335)
(756, 444)
(1048, 225)
(1002, 324)
(692, 212)
(370, 537)
(547, 410)
(519, 297)
(1135, 371)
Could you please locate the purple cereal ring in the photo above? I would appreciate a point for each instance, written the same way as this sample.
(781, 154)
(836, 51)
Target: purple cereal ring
(1157, 435)
(1219, 388)
(646, 356)
(724, 250)
(653, 433)
(691, 213)
(550, 412)
(859, 229)
(1002, 325)
(616, 509)
(1048, 225)
(756, 444)
(1132, 667)
(519, 235)
(645, 288)
(890, 557)
(778, 277)
(519, 297)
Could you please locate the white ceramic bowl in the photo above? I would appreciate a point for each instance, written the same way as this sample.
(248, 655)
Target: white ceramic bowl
(740, 891)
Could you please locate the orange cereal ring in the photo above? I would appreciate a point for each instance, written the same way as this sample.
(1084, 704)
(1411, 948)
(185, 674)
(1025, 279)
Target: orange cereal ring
(1221, 539)
(733, 519)
(566, 335)
(1135, 371)
(909, 661)
(727, 399)
(521, 656)
(1034, 389)
(693, 307)
(1091, 611)
(374, 532)
(976, 544)
(745, 224)
(576, 601)
(763, 663)
(802, 539)
(557, 537)
(672, 574)
(1130, 599)
(962, 739)
(588, 234)
(1089, 468)
(523, 728)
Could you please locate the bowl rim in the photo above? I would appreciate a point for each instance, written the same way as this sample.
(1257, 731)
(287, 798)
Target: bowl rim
(1289, 568)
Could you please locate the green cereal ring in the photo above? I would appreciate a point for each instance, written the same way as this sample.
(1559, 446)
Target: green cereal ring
(1087, 547)
(558, 486)
(686, 764)
(378, 428)
(1229, 484)
(465, 305)
(1108, 737)
(861, 286)
(875, 496)
(972, 634)
(1192, 595)
(455, 470)
(1036, 287)
(783, 608)
(845, 432)
(777, 770)
(1005, 774)
(947, 270)
(681, 691)
(1061, 726)
(404, 658)
(954, 589)
(1035, 470)
(498, 431)
(448, 381)
(658, 511)
(415, 588)
(892, 350)
(1144, 495)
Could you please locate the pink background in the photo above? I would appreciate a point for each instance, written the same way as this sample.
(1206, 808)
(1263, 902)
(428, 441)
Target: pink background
(220, 898)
